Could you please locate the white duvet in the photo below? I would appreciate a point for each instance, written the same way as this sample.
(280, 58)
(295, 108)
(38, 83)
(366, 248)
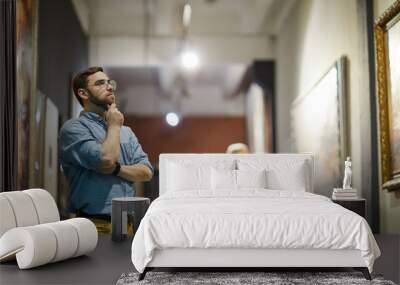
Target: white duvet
(253, 218)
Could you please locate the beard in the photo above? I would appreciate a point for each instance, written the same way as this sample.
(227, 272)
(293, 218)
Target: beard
(98, 102)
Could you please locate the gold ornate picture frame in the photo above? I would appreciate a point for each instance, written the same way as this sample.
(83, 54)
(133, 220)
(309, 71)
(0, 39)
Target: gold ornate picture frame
(387, 49)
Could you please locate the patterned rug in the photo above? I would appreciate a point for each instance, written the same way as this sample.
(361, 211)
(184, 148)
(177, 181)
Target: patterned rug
(229, 278)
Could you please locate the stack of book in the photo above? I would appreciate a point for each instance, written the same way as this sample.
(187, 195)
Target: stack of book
(344, 194)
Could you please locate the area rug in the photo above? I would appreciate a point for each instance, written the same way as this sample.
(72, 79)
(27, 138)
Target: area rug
(229, 278)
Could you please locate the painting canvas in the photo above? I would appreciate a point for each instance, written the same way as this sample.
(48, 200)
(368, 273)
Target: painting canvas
(394, 95)
(51, 149)
(25, 44)
(318, 127)
(387, 41)
(38, 139)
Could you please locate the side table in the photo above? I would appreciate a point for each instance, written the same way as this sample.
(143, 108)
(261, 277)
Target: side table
(124, 207)
(356, 205)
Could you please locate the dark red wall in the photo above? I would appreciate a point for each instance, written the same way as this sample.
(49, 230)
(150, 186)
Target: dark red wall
(194, 134)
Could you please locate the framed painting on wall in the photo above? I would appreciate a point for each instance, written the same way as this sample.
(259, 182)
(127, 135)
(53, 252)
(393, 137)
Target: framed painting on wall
(50, 173)
(387, 47)
(26, 46)
(38, 136)
(319, 126)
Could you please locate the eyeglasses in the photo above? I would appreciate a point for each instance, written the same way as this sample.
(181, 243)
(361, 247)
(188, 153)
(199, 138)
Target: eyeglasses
(105, 82)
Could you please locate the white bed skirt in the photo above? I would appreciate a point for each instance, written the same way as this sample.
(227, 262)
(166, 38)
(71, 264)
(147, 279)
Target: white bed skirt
(189, 257)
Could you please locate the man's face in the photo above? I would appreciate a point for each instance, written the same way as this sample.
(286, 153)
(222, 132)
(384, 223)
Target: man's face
(99, 91)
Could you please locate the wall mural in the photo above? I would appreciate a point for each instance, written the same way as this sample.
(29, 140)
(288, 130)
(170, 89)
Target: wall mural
(318, 126)
(387, 46)
(26, 83)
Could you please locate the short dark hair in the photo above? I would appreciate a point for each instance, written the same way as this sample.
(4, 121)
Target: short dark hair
(80, 80)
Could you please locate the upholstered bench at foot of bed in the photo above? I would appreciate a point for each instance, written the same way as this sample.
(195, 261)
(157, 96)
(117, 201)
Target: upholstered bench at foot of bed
(40, 244)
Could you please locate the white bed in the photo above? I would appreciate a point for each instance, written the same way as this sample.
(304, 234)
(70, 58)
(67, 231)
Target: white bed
(256, 210)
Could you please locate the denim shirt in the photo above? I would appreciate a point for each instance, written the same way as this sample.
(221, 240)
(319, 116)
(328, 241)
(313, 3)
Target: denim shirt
(80, 155)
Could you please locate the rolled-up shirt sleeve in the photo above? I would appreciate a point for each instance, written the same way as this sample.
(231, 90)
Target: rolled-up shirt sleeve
(78, 147)
(139, 156)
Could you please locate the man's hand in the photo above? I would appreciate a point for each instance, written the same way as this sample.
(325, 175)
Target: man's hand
(110, 147)
(114, 117)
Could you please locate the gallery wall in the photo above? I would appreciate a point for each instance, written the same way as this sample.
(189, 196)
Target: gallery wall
(62, 51)
(317, 34)
(50, 47)
(389, 203)
(195, 134)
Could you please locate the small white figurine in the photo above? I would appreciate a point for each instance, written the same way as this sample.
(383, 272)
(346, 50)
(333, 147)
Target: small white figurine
(347, 174)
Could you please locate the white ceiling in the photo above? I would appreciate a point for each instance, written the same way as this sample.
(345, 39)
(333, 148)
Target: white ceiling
(163, 18)
(138, 40)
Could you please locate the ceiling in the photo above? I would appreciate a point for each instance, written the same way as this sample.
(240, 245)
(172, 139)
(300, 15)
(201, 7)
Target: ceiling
(229, 34)
(163, 18)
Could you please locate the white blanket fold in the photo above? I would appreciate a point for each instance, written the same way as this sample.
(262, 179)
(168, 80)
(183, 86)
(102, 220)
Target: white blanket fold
(253, 218)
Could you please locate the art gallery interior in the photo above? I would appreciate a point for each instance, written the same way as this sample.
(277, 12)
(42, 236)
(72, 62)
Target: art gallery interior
(195, 76)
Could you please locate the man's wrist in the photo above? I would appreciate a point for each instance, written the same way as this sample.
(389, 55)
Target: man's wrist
(114, 127)
(117, 169)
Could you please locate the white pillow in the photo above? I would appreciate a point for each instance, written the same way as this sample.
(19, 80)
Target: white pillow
(182, 177)
(294, 180)
(290, 175)
(251, 178)
(235, 179)
(223, 179)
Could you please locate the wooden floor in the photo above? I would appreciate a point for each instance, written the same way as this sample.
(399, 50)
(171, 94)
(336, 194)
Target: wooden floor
(111, 259)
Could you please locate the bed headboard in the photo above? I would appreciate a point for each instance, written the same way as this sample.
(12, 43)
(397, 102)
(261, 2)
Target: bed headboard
(209, 159)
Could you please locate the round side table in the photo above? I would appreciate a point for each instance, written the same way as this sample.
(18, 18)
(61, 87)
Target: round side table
(124, 207)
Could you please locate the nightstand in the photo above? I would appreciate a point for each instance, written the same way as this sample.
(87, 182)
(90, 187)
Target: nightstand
(355, 205)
